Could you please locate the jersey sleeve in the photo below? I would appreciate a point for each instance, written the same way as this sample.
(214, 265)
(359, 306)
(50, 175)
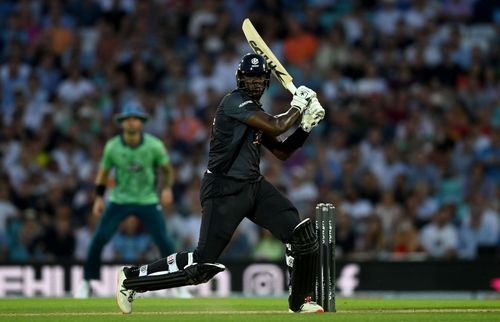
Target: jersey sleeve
(238, 107)
(161, 155)
(107, 161)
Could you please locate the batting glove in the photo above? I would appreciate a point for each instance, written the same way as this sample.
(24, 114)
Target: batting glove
(302, 98)
(313, 114)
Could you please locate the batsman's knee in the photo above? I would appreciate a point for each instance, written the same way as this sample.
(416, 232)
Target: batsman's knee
(304, 240)
(202, 273)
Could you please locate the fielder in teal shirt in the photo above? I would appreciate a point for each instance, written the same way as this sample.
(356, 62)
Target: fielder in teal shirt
(135, 157)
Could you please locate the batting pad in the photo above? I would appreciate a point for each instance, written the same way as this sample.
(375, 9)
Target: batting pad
(191, 275)
(304, 249)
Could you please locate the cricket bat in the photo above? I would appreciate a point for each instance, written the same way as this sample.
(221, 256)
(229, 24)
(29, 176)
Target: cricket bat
(259, 47)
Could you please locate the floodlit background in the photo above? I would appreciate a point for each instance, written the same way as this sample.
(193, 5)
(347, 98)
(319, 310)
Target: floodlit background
(409, 151)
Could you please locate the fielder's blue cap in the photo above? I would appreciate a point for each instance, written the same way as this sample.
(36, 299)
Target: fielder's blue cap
(132, 110)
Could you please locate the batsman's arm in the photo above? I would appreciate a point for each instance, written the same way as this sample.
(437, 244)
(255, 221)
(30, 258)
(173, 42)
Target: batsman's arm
(273, 125)
(284, 149)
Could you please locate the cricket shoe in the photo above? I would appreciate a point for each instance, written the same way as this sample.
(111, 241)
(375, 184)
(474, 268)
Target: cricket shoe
(309, 307)
(124, 297)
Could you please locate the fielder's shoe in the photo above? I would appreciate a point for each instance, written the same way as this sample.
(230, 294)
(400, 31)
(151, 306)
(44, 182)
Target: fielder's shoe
(182, 293)
(84, 290)
(309, 307)
(124, 297)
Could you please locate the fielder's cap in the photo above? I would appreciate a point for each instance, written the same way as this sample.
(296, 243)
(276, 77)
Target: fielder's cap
(132, 110)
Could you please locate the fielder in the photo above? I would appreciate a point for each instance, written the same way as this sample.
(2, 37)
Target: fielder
(233, 188)
(135, 157)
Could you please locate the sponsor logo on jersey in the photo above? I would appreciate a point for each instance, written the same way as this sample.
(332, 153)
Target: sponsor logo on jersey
(134, 167)
(245, 103)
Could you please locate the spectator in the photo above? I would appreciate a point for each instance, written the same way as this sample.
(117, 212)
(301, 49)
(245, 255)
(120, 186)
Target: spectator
(479, 231)
(75, 87)
(58, 241)
(130, 245)
(411, 90)
(405, 241)
(22, 234)
(268, 248)
(58, 35)
(490, 157)
(389, 212)
(345, 236)
(13, 77)
(300, 45)
(371, 242)
(439, 239)
(83, 235)
(7, 208)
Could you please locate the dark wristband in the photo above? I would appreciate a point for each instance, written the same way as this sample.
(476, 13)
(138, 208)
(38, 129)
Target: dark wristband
(297, 139)
(100, 189)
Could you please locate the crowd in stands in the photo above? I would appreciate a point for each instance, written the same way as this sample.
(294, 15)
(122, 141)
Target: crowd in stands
(409, 150)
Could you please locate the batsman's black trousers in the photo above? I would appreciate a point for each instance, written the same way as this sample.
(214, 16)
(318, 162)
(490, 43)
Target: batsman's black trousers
(227, 201)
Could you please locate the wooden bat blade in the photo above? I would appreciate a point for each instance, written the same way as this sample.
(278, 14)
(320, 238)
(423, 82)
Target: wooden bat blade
(260, 47)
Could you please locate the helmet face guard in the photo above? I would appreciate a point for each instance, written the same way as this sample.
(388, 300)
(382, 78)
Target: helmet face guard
(253, 75)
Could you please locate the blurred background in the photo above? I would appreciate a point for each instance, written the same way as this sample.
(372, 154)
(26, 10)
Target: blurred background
(409, 150)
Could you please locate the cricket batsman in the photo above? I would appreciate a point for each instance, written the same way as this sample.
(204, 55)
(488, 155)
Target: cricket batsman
(233, 188)
(135, 157)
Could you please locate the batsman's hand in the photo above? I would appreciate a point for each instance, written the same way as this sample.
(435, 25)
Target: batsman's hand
(166, 197)
(302, 98)
(313, 114)
(98, 207)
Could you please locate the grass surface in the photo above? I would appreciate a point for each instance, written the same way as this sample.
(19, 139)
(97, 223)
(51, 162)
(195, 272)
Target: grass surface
(245, 309)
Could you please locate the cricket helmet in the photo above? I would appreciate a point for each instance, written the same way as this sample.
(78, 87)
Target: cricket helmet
(252, 67)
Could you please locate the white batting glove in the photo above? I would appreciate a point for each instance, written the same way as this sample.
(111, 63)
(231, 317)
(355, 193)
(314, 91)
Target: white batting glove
(313, 114)
(302, 98)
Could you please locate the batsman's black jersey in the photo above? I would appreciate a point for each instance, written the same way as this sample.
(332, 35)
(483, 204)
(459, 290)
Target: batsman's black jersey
(235, 146)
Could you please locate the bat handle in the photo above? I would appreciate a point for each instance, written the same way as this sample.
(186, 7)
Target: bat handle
(291, 87)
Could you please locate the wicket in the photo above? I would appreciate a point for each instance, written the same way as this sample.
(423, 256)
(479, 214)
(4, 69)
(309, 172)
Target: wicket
(324, 291)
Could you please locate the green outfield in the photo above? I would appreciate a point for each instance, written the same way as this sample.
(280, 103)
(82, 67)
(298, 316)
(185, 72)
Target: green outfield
(245, 309)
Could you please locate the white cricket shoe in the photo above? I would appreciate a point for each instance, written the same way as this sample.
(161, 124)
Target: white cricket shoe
(84, 290)
(309, 307)
(182, 293)
(124, 297)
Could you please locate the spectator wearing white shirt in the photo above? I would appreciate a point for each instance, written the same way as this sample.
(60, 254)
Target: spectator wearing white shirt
(204, 77)
(371, 83)
(419, 13)
(13, 77)
(389, 167)
(302, 191)
(480, 228)
(224, 67)
(74, 87)
(386, 18)
(439, 239)
(355, 207)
